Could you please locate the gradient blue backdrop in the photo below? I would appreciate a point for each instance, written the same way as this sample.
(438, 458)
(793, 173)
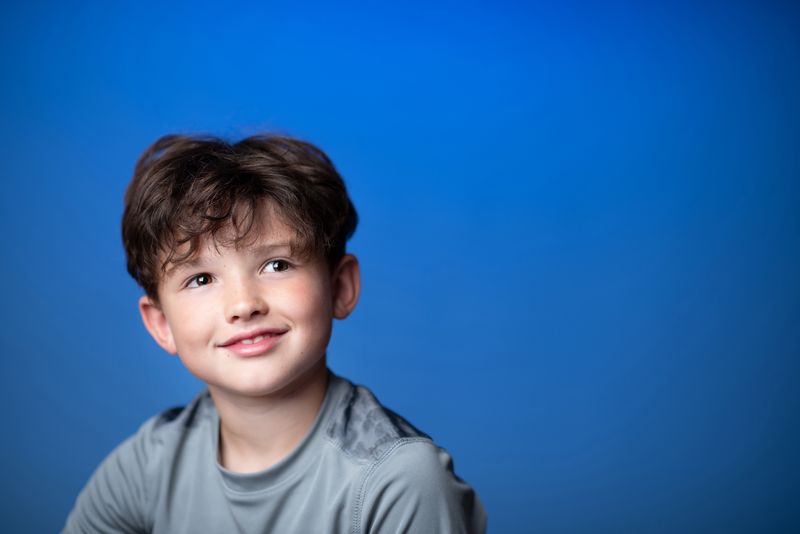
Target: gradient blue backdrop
(580, 238)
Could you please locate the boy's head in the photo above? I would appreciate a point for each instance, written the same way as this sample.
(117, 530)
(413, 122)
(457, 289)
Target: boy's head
(188, 189)
(240, 249)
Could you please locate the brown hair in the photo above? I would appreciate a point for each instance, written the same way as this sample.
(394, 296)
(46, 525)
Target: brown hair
(187, 188)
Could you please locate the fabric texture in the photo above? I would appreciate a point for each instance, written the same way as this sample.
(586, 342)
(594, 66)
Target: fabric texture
(361, 468)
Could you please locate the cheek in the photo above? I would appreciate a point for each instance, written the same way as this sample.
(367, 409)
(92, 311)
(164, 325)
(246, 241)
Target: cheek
(309, 303)
(191, 325)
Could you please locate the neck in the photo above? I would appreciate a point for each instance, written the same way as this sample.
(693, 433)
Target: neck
(255, 433)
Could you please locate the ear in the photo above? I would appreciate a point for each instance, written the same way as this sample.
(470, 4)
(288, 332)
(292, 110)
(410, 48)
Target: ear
(346, 286)
(156, 323)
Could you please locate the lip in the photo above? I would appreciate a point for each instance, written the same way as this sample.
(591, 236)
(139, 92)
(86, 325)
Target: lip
(271, 337)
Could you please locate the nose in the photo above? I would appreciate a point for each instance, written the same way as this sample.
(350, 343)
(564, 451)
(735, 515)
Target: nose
(244, 301)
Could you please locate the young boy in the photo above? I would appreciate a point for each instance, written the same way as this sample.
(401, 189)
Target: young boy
(240, 250)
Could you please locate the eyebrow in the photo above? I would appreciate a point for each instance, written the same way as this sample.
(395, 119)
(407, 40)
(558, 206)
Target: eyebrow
(200, 261)
(268, 248)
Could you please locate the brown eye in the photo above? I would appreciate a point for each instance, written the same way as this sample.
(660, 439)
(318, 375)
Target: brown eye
(276, 266)
(199, 280)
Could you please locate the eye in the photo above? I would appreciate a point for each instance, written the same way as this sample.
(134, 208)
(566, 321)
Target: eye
(198, 280)
(276, 266)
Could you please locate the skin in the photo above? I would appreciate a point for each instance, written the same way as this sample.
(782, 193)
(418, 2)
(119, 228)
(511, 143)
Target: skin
(267, 402)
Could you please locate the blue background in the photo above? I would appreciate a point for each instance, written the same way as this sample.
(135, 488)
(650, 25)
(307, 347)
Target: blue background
(580, 238)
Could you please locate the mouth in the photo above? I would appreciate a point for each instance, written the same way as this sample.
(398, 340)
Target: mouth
(253, 343)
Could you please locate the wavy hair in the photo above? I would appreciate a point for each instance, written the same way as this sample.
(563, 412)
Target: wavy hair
(188, 188)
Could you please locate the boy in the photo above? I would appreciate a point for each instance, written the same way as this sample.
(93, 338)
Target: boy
(240, 250)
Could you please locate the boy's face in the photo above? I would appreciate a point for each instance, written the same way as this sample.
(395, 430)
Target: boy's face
(251, 321)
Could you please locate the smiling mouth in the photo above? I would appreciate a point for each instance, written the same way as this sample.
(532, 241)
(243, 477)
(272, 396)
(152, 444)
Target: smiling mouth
(254, 336)
(256, 345)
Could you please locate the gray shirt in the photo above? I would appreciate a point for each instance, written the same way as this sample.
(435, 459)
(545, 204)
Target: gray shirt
(361, 468)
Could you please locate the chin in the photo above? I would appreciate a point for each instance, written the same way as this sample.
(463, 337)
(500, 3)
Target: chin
(264, 388)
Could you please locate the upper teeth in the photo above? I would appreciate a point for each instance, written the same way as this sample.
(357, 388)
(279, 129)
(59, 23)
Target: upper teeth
(252, 340)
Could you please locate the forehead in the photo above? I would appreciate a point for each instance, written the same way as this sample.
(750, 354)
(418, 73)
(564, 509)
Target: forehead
(252, 228)
(267, 231)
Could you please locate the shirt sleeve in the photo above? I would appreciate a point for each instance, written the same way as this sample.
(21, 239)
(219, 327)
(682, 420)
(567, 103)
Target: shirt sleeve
(114, 498)
(414, 489)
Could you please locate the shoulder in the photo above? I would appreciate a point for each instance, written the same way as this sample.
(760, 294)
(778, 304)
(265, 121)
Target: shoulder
(362, 427)
(413, 467)
(413, 487)
(408, 481)
(174, 424)
(120, 492)
(158, 438)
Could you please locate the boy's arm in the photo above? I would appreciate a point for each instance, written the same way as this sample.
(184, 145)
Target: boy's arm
(114, 498)
(414, 489)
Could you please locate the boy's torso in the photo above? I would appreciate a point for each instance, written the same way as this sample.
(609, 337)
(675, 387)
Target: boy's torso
(345, 476)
